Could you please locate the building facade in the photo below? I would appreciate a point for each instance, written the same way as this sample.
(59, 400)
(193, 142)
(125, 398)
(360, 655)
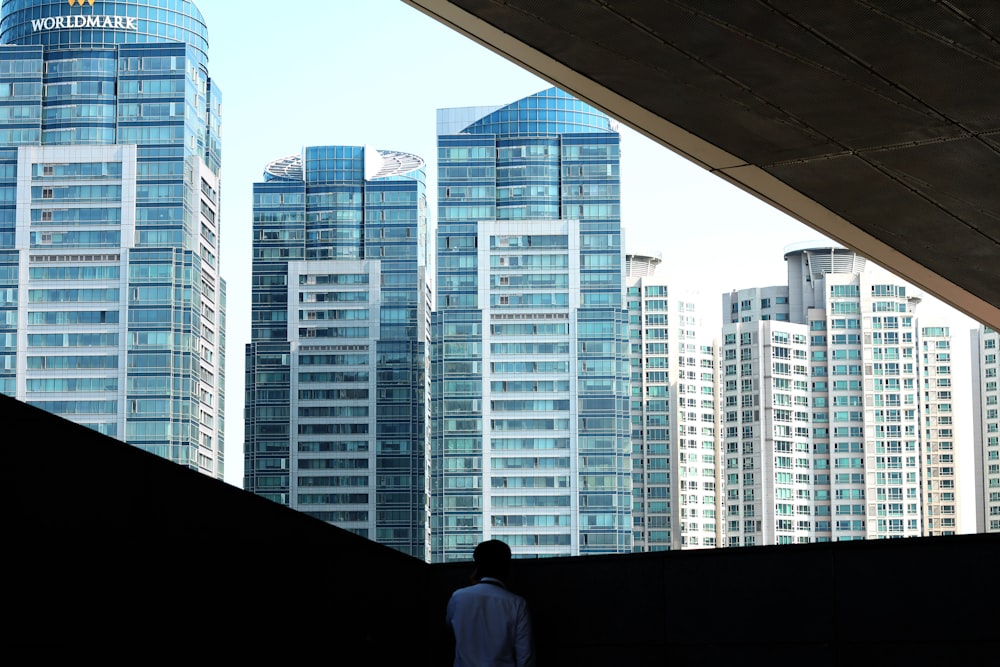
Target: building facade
(940, 476)
(112, 309)
(766, 425)
(336, 371)
(674, 412)
(530, 421)
(986, 428)
(824, 432)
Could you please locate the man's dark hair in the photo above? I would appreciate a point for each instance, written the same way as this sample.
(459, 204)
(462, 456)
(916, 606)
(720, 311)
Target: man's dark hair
(492, 559)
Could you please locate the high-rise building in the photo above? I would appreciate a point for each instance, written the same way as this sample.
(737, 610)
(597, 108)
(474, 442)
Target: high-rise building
(674, 410)
(112, 309)
(822, 399)
(940, 477)
(530, 412)
(336, 379)
(768, 482)
(986, 428)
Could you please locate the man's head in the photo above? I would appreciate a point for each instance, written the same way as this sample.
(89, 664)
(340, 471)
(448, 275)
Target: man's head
(492, 559)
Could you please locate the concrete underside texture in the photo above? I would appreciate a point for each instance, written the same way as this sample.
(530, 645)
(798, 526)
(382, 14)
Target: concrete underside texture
(873, 121)
(110, 551)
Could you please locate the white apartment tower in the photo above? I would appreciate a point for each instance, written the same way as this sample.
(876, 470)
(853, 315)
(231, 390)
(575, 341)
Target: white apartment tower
(940, 466)
(767, 451)
(986, 427)
(821, 411)
(674, 410)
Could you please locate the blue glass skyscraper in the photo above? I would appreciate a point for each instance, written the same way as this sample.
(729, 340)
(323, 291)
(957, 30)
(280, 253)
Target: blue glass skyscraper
(530, 435)
(336, 372)
(112, 309)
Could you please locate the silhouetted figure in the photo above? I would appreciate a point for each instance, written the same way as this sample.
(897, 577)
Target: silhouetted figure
(491, 625)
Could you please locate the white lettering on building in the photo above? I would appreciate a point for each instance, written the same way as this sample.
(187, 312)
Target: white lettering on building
(60, 22)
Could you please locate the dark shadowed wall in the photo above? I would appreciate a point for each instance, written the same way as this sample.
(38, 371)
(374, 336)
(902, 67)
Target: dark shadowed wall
(113, 553)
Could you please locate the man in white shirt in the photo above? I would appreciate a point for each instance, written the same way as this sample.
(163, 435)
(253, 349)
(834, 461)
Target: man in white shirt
(491, 625)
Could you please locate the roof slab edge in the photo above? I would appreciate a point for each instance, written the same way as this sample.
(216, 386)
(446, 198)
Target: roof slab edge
(749, 178)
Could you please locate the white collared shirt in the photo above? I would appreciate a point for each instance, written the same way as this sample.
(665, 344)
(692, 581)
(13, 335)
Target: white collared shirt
(491, 625)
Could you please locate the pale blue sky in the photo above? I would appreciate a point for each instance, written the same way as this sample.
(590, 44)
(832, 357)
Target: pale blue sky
(305, 72)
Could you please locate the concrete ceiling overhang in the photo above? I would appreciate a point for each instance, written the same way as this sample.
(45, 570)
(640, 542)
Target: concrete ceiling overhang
(876, 123)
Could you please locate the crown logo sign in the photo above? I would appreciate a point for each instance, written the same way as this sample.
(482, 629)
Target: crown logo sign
(73, 2)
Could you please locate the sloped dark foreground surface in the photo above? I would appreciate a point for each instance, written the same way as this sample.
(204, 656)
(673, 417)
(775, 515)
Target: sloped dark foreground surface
(115, 554)
(108, 548)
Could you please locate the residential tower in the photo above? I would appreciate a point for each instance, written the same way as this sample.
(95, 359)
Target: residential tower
(530, 412)
(112, 309)
(336, 370)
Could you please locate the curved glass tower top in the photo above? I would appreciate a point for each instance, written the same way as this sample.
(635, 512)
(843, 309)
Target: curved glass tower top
(102, 23)
(550, 111)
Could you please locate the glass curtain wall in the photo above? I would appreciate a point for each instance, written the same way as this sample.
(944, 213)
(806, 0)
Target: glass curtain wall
(337, 402)
(530, 437)
(113, 309)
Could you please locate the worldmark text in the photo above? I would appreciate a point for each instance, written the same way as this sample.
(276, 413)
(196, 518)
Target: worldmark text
(112, 22)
